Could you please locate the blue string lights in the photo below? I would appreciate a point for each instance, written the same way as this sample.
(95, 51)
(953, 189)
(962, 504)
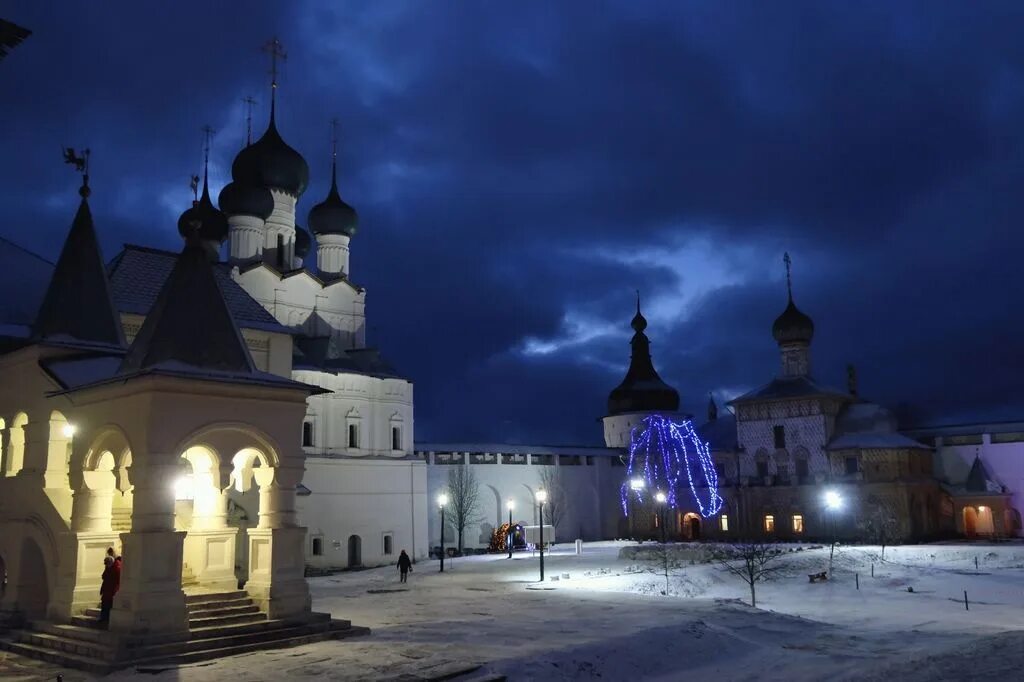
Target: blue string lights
(661, 454)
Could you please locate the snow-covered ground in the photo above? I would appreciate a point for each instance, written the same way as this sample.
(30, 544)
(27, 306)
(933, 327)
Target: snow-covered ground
(608, 618)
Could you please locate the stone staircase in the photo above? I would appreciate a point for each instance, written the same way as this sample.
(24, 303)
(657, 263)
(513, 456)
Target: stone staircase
(220, 624)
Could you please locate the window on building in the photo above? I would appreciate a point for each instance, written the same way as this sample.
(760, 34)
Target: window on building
(798, 523)
(307, 434)
(396, 438)
(353, 435)
(780, 436)
(388, 544)
(762, 468)
(852, 466)
(318, 546)
(769, 523)
(802, 471)
(280, 251)
(723, 523)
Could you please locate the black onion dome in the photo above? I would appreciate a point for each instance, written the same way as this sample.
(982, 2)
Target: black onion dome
(203, 220)
(240, 199)
(302, 242)
(642, 390)
(792, 326)
(270, 162)
(333, 215)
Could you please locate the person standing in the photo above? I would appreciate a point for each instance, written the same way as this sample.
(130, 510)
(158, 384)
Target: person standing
(107, 590)
(404, 566)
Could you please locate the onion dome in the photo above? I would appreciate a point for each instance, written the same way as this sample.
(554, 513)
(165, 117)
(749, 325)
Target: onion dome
(241, 199)
(792, 326)
(203, 220)
(302, 242)
(333, 215)
(642, 390)
(270, 162)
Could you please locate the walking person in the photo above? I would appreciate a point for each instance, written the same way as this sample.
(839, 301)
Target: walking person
(404, 566)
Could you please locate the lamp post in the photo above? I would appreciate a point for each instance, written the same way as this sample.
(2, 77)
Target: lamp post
(511, 505)
(442, 500)
(833, 502)
(636, 484)
(542, 497)
(660, 498)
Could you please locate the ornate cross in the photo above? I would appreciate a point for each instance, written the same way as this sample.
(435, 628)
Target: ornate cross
(334, 138)
(249, 103)
(276, 51)
(789, 278)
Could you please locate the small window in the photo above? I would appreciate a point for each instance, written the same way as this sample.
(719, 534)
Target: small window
(318, 546)
(851, 465)
(353, 435)
(801, 469)
(769, 523)
(798, 523)
(780, 436)
(723, 523)
(396, 438)
(388, 544)
(280, 250)
(307, 434)
(762, 469)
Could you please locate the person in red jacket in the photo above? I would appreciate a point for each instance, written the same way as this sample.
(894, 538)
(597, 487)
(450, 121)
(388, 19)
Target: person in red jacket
(117, 569)
(108, 589)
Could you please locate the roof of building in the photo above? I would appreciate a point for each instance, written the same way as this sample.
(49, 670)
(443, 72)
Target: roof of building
(787, 388)
(77, 303)
(971, 429)
(511, 449)
(271, 162)
(325, 354)
(333, 215)
(719, 433)
(979, 480)
(866, 425)
(642, 390)
(138, 274)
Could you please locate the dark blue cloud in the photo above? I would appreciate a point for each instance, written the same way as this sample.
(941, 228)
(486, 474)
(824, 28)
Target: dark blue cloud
(516, 167)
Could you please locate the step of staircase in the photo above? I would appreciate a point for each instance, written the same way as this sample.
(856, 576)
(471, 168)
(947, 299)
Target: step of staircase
(60, 658)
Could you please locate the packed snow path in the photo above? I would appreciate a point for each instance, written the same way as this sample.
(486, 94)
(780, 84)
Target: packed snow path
(609, 619)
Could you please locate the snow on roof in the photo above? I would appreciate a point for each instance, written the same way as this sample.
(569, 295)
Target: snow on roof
(873, 440)
(510, 449)
(783, 388)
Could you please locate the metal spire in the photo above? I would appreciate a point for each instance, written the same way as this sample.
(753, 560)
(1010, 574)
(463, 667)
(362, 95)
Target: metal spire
(276, 51)
(249, 103)
(334, 152)
(789, 276)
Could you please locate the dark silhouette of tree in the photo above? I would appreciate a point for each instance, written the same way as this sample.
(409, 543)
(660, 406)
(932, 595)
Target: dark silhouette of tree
(751, 561)
(558, 502)
(464, 499)
(11, 36)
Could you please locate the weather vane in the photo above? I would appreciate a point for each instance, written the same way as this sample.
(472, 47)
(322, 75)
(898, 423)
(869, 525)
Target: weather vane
(81, 164)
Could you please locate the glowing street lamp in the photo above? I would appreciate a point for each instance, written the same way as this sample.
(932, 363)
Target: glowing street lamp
(542, 497)
(661, 499)
(637, 484)
(511, 505)
(833, 503)
(442, 500)
(68, 430)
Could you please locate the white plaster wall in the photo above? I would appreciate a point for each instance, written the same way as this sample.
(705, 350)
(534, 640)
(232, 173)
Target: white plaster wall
(368, 498)
(591, 514)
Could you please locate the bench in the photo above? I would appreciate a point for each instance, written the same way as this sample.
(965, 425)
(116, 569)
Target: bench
(818, 577)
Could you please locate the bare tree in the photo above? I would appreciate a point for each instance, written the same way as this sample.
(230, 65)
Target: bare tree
(663, 559)
(464, 503)
(750, 561)
(881, 524)
(557, 505)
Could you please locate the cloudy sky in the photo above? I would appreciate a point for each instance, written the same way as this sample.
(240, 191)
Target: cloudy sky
(520, 169)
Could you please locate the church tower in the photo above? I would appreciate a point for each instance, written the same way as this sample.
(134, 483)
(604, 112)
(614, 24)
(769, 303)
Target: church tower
(334, 223)
(793, 331)
(642, 391)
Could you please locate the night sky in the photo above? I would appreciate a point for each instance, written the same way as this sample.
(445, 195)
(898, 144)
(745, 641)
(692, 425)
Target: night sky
(521, 168)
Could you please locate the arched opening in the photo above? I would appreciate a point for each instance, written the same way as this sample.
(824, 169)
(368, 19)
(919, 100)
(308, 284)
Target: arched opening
(691, 526)
(33, 587)
(15, 460)
(970, 522)
(984, 525)
(355, 551)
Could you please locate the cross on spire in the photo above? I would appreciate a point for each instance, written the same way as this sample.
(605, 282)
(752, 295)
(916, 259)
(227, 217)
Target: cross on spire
(334, 138)
(276, 51)
(249, 103)
(789, 275)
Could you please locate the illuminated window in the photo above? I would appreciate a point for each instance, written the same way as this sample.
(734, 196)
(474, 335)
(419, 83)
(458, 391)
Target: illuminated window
(723, 522)
(798, 523)
(769, 523)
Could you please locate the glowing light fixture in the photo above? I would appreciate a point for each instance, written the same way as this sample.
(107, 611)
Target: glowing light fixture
(637, 484)
(442, 500)
(184, 487)
(542, 496)
(68, 430)
(511, 504)
(660, 497)
(833, 500)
